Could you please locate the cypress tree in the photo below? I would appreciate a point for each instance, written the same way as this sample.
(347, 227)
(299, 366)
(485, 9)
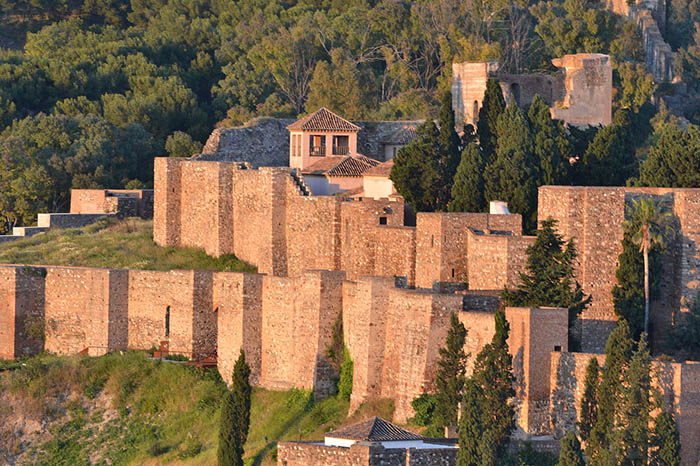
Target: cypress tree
(589, 400)
(450, 377)
(512, 174)
(631, 435)
(549, 277)
(470, 429)
(493, 375)
(551, 144)
(665, 441)
(628, 293)
(235, 416)
(492, 107)
(570, 453)
(448, 147)
(617, 355)
(468, 186)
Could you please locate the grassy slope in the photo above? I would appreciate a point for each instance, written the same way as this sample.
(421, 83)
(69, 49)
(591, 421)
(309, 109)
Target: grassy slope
(132, 410)
(112, 244)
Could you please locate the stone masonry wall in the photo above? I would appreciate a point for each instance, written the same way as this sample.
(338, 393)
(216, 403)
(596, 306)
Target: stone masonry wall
(495, 261)
(679, 384)
(21, 311)
(261, 216)
(123, 202)
(593, 216)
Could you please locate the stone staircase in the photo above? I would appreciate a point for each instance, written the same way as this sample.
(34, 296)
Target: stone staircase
(299, 183)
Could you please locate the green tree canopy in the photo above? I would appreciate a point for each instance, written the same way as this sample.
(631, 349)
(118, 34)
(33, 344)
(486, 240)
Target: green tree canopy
(468, 186)
(235, 416)
(450, 378)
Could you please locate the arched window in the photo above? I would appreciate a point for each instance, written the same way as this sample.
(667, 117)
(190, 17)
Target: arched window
(475, 111)
(515, 93)
(167, 321)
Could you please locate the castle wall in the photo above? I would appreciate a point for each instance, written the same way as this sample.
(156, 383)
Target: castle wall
(237, 301)
(174, 306)
(442, 243)
(81, 310)
(123, 202)
(21, 311)
(679, 384)
(588, 83)
(495, 261)
(593, 216)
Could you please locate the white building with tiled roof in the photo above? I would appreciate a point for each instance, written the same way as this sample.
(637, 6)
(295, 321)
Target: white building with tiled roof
(336, 174)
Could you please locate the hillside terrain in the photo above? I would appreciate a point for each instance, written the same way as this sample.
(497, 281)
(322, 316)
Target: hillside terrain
(113, 244)
(125, 408)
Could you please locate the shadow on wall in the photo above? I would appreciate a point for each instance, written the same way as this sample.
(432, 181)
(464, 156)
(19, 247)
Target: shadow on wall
(563, 404)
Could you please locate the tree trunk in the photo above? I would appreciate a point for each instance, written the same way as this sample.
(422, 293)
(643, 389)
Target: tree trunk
(646, 289)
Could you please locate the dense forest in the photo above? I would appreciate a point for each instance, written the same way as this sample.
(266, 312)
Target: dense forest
(92, 90)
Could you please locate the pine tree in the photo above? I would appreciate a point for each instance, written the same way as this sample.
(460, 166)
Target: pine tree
(512, 175)
(468, 186)
(631, 435)
(618, 351)
(672, 160)
(493, 375)
(235, 416)
(628, 293)
(470, 429)
(589, 400)
(450, 377)
(570, 453)
(491, 109)
(666, 445)
(549, 277)
(551, 144)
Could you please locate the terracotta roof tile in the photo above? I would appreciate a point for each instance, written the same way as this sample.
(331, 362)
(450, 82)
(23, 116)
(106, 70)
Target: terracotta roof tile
(383, 169)
(323, 120)
(349, 165)
(373, 430)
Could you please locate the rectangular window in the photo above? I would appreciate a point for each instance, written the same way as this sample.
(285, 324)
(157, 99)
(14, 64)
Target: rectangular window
(382, 220)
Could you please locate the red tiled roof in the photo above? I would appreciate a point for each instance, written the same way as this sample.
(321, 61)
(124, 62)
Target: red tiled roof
(373, 430)
(323, 120)
(383, 169)
(349, 165)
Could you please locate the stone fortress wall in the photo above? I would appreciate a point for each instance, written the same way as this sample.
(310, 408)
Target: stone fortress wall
(580, 93)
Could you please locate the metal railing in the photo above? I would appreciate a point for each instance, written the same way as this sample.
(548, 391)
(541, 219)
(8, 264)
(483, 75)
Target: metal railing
(341, 150)
(317, 151)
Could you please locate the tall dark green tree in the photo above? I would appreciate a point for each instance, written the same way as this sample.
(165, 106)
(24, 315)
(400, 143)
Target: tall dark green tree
(666, 444)
(448, 142)
(491, 109)
(549, 279)
(686, 334)
(672, 160)
(450, 378)
(610, 158)
(551, 144)
(470, 428)
(589, 400)
(468, 186)
(631, 436)
(416, 170)
(493, 375)
(570, 453)
(618, 352)
(235, 416)
(628, 293)
(512, 175)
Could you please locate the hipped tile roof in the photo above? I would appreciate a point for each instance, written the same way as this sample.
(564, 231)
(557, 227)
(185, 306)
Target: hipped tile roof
(402, 136)
(373, 430)
(349, 165)
(383, 169)
(323, 120)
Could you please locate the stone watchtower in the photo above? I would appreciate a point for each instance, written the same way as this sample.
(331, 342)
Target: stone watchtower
(321, 134)
(580, 94)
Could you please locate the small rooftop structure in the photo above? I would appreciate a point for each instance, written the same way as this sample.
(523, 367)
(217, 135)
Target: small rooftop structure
(350, 165)
(498, 208)
(374, 429)
(321, 134)
(376, 182)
